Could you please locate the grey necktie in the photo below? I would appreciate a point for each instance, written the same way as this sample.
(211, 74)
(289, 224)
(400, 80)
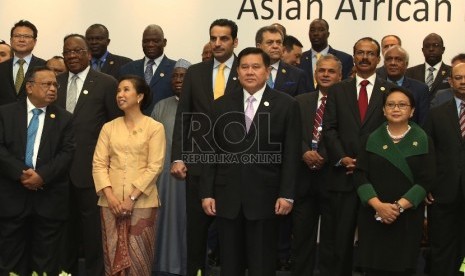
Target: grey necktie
(149, 71)
(71, 96)
(430, 77)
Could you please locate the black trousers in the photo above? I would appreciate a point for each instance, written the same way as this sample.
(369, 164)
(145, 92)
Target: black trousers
(250, 244)
(83, 232)
(446, 225)
(29, 243)
(197, 228)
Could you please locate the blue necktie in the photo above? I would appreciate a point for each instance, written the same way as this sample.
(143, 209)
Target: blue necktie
(31, 136)
(149, 71)
(270, 81)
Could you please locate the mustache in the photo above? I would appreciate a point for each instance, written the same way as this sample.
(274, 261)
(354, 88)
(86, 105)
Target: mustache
(364, 61)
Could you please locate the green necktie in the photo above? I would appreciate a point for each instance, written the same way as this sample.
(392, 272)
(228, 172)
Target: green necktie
(19, 75)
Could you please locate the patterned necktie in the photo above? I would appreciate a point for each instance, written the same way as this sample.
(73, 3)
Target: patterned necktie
(249, 112)
(71, 95)
(270, 81)
(462, 119)
(363, 99)
(31, 136)
(318, 120)
(218, 90)
(19, 75)
(430, 78)
(149, 71)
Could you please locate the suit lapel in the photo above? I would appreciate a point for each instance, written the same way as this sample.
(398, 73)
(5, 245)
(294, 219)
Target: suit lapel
(453, 119)
(160, 73)
(375, 99)
(49, 121)
(232, 79)
(310, 104)
(87, 89)
(442, 73)
(22, 116)
(265, 105)
(350, 92)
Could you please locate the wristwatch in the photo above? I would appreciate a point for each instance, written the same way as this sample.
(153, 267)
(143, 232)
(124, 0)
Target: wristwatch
(401, 209)
(133, 198)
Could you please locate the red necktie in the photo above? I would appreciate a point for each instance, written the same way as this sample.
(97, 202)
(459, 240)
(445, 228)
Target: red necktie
(318, 120)
(462, 119)
(363, 99)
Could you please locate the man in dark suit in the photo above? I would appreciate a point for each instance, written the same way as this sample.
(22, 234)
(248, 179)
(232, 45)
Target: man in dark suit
(36, 149)
(284, 77)
(155, 67)
(433, 72)
(446, 220)
(292, 50)
(91, 97)
(312, 199)
(259, 129)
(15, 71)
(203, 83)
(447, 94)
(98, 38)
(396, 63)
(387, 42)
(6, 52)
(318, 34)
(353, 111)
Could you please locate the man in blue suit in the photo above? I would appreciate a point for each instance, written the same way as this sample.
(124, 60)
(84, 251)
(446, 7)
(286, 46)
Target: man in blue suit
(318, 34)
(396, 63)
(284, 77)
(155, 67)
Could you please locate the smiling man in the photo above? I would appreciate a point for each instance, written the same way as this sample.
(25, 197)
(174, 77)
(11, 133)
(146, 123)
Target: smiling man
(15, 72)
(91, 97)
(155, 67)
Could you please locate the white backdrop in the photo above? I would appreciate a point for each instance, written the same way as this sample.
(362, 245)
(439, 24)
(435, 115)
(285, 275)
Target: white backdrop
(186, 22)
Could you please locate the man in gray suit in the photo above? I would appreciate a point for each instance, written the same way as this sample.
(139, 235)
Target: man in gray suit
(91, 97)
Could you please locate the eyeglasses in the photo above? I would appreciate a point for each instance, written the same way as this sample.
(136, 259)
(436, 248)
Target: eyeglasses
(401, 106)
(23, 36)
(46, 85)
(74, 52)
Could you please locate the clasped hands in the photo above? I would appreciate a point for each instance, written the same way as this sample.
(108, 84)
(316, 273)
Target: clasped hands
(120, 208)
(387, 212)
(31, 180)
(313, 160)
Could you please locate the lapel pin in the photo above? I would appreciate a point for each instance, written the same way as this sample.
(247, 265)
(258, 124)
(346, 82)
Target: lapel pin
(385, 147)
(52, 116)
(266, 103)
(306, 58)
(234, 78)
(162, 75)
(112, 62)
(85, 92)
(443, 72)
(283, 70)
(415, 143)
(382, 88)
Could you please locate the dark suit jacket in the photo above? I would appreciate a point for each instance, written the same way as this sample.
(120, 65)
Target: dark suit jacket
(196, 97)
(306, 65)
(96, 106)
(7, 82)
(160, 85)
(444, 128)
(308, 179)
(291, 80)
(113, 63)
(421, 96)
(440, 82)
(442, 96)
(342, 129)
(53, 160)
(253, 187)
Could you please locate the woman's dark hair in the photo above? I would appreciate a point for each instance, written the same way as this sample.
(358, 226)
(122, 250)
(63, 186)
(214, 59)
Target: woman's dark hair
(141, 87)
(402, 90)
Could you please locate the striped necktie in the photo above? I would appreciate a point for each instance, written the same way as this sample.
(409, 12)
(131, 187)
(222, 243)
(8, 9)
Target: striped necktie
(462, 119)
(430, 78)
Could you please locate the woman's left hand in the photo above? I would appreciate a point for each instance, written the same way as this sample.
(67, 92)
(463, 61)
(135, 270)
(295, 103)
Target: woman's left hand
(127, 205)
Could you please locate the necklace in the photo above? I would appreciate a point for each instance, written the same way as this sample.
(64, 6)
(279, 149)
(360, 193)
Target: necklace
(397, 137)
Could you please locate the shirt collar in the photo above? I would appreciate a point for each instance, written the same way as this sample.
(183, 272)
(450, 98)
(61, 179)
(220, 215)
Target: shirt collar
(27, 59)
(322, 52)
(103, 58)
(257, 95)
(82, 75)
(228, 62)
(275, 65)
(31, 106)
(157, 60)
(371, 79)
(398, 82)
(437, 66)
